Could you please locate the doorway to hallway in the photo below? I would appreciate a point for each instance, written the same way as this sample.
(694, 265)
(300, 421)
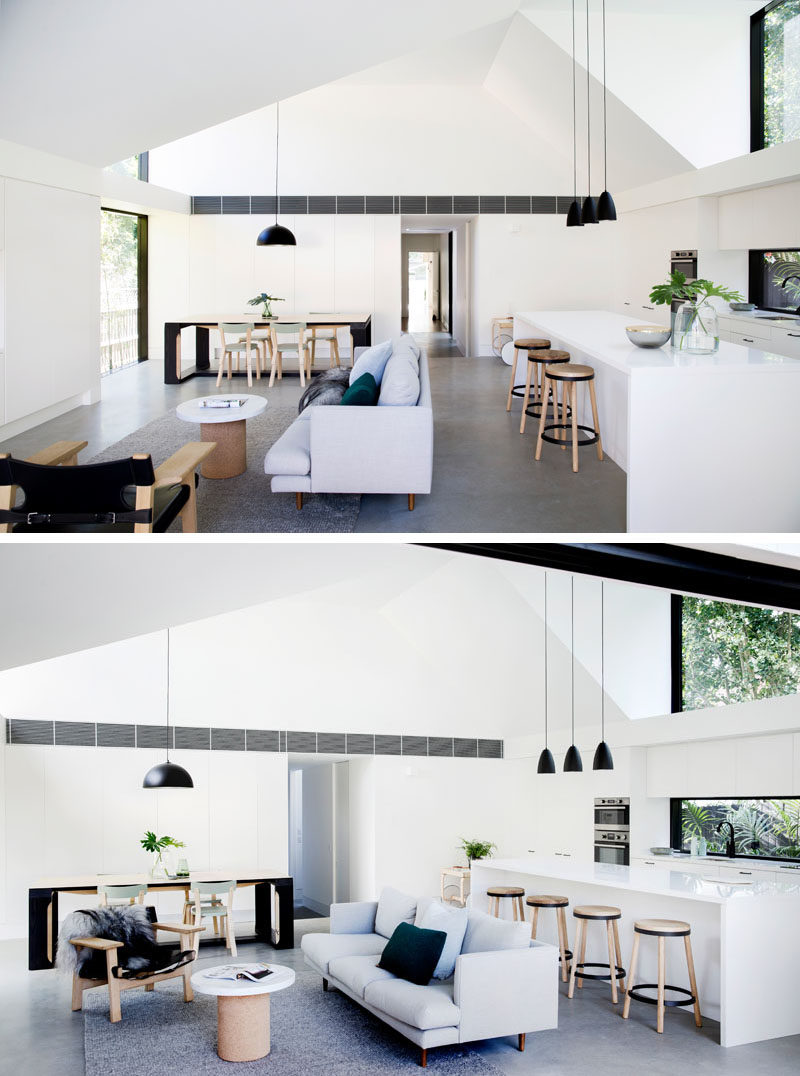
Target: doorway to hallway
(319, 834)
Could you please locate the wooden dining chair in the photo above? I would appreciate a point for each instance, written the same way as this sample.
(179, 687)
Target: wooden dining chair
(328, 335)
(239, 346)
(110, 896)
(206, 900)
(289, 347)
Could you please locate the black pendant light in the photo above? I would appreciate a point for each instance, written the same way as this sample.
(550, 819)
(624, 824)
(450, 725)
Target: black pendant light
(589, 211)
(276, 235)
(602, 757)
(547, 764)
(572, 760)
(167, 774)
(606, 210)
(574, 214)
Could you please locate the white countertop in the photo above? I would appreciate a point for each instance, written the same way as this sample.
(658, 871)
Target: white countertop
(769, 317)
(667, 883)
(600, 334)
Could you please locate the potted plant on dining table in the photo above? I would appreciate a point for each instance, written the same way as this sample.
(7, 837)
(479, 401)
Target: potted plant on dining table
(262, 299)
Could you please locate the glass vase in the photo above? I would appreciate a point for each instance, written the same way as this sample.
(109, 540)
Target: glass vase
(696, 329)
(158, 870)
(267, 310)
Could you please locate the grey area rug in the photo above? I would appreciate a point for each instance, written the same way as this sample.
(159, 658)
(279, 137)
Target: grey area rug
(244, 504)
(311, 1032)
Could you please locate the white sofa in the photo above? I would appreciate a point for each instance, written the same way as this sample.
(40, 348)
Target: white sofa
(507, 988)
(336, 449)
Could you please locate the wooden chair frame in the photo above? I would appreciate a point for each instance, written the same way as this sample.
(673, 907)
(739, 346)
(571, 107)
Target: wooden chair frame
(179, 469)
(103, 894)
(193, 907)
(303, 358)
(228, 351)
(116, 986)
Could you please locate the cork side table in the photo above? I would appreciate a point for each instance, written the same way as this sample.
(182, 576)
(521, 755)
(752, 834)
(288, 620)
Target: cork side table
(226, 426)
(242, 1011)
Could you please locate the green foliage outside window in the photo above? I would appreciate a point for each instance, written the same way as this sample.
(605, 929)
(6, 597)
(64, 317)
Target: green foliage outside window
(782, 73)
(737, 653)
(761, 827)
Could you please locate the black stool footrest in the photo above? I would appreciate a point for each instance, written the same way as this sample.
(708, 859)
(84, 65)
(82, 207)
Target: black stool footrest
(567, 953)
(567, 427)
(619, 972)
(671, 1004)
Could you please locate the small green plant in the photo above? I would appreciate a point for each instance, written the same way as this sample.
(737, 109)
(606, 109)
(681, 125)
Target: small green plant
(694, 291)
(157, 845)
(476, 849)
(266, 301)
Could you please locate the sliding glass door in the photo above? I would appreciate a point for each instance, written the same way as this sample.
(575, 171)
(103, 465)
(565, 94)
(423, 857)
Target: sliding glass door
(123, 290)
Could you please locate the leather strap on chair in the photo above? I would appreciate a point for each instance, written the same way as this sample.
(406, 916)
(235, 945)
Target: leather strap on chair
(185, 957)
(134, 515)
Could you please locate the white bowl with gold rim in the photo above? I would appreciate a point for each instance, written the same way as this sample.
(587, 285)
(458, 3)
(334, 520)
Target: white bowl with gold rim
(648, 335)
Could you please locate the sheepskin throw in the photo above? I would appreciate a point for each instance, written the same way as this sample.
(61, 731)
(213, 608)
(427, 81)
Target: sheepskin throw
(130, 925)
(325, 388)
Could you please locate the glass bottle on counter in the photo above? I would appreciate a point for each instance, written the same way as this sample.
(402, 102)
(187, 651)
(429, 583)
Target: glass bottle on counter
(702, 847)
(696, 329)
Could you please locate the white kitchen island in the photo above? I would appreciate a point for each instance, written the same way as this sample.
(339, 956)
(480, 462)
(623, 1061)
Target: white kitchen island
(708, 442)
(745, 938)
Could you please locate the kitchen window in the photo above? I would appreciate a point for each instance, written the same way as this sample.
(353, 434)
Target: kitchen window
(725, 653)
(762, 828)
(775, 74)
(775, 279)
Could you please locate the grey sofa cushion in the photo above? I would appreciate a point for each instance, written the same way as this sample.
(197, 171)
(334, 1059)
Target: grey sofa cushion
(322, 948)
(394, 908)
(291, 453)
(486, 934)
(357, 972)
(420, 1006)
(400, 385)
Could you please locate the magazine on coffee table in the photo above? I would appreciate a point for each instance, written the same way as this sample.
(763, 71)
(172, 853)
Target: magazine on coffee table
(223, 401)
(254, 972)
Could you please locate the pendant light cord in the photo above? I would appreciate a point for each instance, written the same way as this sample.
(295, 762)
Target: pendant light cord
(602, 659)
(277, 146)
(574, 109)
(605, 127)
(588, 104)
(572, 646)
(167, 695)
(545, 661)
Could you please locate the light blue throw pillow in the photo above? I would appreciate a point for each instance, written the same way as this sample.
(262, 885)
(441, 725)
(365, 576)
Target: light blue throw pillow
(453, 921)
(400, 386)
(372, 361)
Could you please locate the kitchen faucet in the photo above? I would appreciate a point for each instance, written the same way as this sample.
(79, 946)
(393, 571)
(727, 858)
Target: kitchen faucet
(786, 279)
(730, 850)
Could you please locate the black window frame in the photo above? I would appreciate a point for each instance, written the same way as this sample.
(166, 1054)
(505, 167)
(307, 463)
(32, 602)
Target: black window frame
(676, 827)
(676, 653)
(142, 262)
(755, 289)
(757, 110)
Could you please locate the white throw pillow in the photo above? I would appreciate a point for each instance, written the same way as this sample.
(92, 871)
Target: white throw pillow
(406, 340)
(394, 908)
(400, 386)
(453, 921)
(372, 361)
(486, 934)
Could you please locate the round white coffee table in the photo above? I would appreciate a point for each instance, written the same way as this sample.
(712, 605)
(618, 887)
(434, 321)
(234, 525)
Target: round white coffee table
(243, 1011)
(226, 426)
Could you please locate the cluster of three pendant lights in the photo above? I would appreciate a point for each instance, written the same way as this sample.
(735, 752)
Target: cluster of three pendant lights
(603, 209)
(572, 760)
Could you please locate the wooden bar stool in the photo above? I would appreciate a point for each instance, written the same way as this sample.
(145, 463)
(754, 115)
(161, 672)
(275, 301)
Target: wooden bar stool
(506, 892)
(662, 929)
(532, 344)
(587, 913)
(570, 376)
(538, 364)
(558, 904)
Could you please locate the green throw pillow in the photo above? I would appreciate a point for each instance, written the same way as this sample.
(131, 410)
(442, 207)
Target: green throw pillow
(363, 392)
(412, 953)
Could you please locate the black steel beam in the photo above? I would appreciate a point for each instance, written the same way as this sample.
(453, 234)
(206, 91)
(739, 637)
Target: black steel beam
(669, 567)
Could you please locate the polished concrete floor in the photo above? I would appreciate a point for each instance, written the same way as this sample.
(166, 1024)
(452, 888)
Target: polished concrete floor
(485, 479)
(41, 1036)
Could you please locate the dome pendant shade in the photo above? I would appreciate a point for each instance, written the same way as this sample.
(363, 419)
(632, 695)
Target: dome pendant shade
(547, 764)
(572, 760)
(167, 775)
(602, 757)
(574, 215)
(606, 210)
(589, 211)
(276, 236)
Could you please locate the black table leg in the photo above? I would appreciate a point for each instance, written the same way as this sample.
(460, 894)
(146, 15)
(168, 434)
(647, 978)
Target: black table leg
(42, 928)
(362, 333)
(172, 333)
(280, 935)
(201, 357)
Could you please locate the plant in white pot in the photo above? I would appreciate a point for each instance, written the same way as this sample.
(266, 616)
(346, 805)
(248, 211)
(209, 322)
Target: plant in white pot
(695, 328)
(473, 849)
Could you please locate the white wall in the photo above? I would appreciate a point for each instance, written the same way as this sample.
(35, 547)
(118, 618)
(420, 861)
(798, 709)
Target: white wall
(318, 837)
(761, 218)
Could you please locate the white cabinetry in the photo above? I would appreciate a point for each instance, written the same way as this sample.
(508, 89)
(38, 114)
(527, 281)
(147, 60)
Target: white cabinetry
(746, 874)
(666, 770)
(764, 765)
(796, 767)
(710, 768)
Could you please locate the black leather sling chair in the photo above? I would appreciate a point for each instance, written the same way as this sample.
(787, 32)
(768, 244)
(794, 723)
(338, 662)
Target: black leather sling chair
(122, 495)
